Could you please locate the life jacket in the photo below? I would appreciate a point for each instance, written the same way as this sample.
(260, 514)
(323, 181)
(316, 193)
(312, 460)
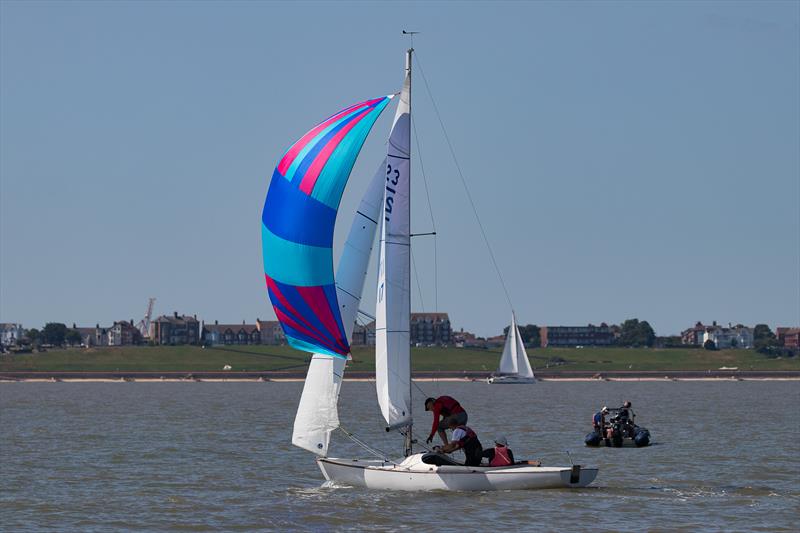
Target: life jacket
(473, 450)
(597, 419)
(449, 406)
(501, 457)
(469, 434)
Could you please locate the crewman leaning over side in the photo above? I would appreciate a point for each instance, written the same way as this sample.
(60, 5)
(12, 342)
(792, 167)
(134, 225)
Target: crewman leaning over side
(449, 410)
(464, 439)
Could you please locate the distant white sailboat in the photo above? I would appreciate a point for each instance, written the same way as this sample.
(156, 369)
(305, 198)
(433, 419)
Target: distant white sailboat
(317, 311)
(514, 364)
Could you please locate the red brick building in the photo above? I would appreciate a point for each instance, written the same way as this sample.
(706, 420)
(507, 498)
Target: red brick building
(789, 337)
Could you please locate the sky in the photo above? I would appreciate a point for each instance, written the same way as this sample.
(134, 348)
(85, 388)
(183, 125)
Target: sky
(627, 160)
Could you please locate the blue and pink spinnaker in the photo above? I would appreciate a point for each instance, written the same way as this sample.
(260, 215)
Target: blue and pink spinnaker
(297, 225)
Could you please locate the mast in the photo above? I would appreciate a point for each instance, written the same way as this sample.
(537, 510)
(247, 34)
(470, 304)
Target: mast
(409, 438)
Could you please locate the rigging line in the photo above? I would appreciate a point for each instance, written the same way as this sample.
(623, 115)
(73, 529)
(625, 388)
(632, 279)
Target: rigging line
(464, 183)
(374, 451)
(416, 276)
(419, 388)
(433, 222)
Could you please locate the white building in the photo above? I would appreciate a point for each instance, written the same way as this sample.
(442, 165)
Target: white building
(10, 333)
(731, 337)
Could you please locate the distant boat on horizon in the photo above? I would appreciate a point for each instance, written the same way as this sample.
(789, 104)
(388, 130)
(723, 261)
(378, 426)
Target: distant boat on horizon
(515, 368)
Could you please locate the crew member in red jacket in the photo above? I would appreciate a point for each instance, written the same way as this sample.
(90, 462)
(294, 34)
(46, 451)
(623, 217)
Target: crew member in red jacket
(449, 409)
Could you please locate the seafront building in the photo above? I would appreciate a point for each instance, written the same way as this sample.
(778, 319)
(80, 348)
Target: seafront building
(571, 336)
(216, 333)
(694, 336)
(175, 329)
(271, 332)
(123, 333)
(430, 328)
(788, 337)
(738, 336)
(363, 334)
(11, 333)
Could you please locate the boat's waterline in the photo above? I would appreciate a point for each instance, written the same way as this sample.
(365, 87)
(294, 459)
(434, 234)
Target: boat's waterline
(414, 475)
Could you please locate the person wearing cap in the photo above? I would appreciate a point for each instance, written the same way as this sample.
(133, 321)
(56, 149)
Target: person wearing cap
(449, 409)
(599, 421)
(501, 454)
(463, 439)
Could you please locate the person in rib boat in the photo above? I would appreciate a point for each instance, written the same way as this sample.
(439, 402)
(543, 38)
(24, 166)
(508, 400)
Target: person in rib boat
(450, 411)
(463, 439)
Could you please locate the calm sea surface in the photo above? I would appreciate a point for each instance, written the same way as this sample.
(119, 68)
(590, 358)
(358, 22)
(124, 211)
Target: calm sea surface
(216, 456)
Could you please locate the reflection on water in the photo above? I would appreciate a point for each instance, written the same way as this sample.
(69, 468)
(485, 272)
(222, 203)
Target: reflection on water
(200, 456)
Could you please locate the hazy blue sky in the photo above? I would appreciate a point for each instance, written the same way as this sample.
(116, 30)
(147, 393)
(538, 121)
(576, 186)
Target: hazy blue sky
(628, 159)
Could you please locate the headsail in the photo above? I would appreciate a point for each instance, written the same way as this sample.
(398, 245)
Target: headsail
(317, 414)
(297, 228)
(392, 338)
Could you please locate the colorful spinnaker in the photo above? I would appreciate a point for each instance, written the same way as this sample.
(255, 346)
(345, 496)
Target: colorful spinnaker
(297, 228)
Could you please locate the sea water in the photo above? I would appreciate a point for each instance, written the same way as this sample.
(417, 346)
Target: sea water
(217, 456)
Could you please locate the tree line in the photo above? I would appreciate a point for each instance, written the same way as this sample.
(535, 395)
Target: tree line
(54, 333)
(632, 333)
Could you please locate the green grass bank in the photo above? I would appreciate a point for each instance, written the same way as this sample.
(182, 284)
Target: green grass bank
(276, 358)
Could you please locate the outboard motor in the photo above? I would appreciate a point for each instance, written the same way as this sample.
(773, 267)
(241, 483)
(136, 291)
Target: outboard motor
(642, 437)
(617, 432)
(593, 439)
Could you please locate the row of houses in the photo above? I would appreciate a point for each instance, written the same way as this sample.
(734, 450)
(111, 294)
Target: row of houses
(176, 329)
(427, 329)
(737, 336)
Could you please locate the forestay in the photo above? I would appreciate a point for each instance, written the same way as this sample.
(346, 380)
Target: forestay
(392, 350)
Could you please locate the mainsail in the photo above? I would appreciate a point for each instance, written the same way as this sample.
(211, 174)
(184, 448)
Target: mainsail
(317, 414)
(297, 228)
(515, 359)
(392, 338)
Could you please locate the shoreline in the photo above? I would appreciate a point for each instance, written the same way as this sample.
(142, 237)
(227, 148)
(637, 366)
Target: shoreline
(422, 376)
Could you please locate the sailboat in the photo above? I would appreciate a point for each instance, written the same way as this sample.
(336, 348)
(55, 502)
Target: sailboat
(317, 310)
(514, 364)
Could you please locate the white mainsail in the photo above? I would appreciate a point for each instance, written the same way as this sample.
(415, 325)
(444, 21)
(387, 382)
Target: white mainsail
(515, 359)
(317, 414)
(508, 361)
(393, 312)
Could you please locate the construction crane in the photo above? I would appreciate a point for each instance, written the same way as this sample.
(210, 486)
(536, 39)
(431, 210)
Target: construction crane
(144, 324)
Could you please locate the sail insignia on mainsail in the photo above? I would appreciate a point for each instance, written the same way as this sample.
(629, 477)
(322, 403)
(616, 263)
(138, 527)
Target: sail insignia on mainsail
(297, 225)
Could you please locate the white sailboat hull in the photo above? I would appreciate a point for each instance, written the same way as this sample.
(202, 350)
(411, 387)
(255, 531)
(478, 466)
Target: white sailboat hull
(509, 380)
(414, 475)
